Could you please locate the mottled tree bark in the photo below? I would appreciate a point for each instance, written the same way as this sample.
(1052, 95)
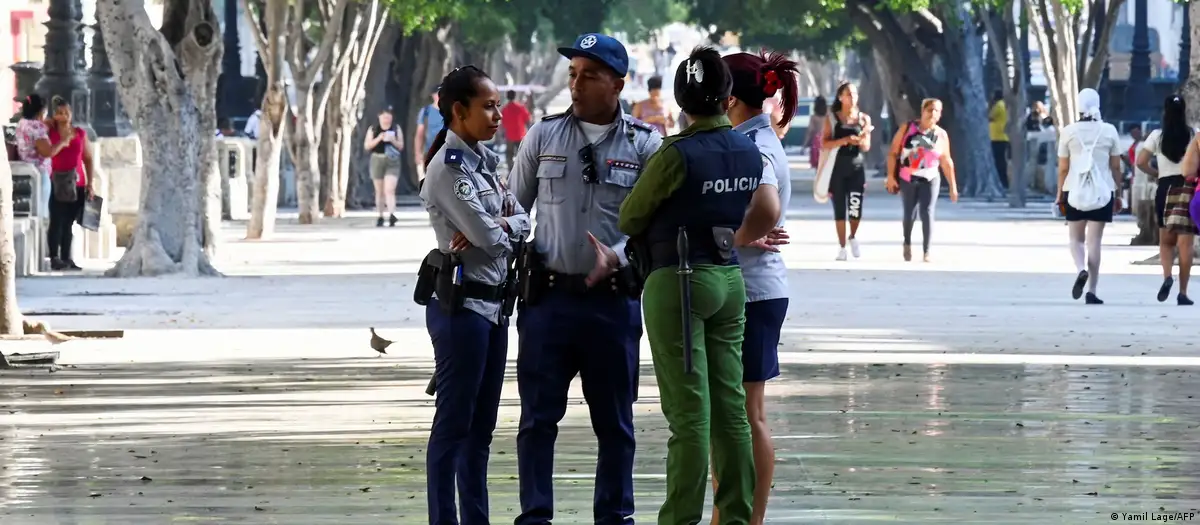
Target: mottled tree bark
(167, 81)
(10, 315)
(271, 42)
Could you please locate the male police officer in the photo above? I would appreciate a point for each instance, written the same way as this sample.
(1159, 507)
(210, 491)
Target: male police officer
(581, 315)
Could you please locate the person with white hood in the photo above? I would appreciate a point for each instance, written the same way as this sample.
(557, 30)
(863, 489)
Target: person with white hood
(1089, 171)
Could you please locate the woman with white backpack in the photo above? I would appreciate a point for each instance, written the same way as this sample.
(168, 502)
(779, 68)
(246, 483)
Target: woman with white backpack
(1089, 171)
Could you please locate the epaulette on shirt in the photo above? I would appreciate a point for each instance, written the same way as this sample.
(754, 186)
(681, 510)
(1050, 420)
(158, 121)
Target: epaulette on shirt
(555, 116)
(639, 124)
(453, 156)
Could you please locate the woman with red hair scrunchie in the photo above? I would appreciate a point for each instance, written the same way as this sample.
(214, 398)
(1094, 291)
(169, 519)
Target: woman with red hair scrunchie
(758, 78)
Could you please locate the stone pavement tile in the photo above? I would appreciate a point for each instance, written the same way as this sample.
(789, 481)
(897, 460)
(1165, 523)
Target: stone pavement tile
(342, 441)
(968, 390)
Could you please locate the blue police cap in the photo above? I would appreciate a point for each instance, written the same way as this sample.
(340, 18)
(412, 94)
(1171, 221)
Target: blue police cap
(601, 48)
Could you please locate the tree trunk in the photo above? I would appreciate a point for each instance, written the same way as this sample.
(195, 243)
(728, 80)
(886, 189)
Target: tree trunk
(967, 121)
(1191, 88)
(10, 315)
(271, 42)
(345, 106)
(871, 102)
(1048, 22)
(1007, 57)
(303, 149)
(166, 80)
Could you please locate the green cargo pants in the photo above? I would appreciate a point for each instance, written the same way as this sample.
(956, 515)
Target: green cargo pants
(710, 402)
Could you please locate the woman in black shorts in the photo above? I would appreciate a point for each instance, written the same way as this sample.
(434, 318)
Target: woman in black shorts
(850, 131)
(1089, 162)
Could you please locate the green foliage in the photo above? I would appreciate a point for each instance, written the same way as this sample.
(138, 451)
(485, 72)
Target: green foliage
(814, 28)
(639, 19)
(425, 15)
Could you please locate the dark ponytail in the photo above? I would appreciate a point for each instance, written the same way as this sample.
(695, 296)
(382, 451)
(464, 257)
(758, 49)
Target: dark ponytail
(836, 107)
(458, 86)
(32, 106)
(702, 83)
(1176, 133)
(759, 77)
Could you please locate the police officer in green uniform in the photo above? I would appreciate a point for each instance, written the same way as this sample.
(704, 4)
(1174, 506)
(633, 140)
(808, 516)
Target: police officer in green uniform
(704, 193)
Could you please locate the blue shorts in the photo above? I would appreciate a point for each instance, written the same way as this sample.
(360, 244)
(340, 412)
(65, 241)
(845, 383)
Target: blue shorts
(760, 348)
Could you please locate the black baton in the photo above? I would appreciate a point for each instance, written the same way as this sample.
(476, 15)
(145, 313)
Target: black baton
(432, 388)
(685, 296)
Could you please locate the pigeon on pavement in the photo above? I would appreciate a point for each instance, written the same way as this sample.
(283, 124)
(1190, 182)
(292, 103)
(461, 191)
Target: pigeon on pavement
(379, 344)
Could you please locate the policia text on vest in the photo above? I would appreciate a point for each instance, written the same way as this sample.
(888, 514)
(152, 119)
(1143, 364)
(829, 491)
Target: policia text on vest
(729, 185)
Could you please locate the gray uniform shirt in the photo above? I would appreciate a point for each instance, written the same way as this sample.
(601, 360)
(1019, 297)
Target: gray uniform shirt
(549, 169)
(764, 272)
(463, 194)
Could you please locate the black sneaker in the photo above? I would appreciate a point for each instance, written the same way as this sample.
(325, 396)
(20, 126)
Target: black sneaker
(1092, 299)
(392, 220)
(1164, 291)
(1183, 300)
(379, 223)
(1080, 280)
(57, 265)
(71, 265)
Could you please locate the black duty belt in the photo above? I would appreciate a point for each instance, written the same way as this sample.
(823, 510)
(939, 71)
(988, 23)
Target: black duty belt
(483, 292)
(577, 284)
(664, 254)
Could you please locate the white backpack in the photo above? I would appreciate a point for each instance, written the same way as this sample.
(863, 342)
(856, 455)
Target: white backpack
(1087, 193)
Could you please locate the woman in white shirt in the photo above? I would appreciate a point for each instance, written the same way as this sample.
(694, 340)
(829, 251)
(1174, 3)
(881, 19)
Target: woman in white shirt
(1089, 164)
(1168, 146)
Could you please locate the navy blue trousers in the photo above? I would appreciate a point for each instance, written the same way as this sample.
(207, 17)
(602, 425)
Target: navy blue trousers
(597, 338)
(469, 352)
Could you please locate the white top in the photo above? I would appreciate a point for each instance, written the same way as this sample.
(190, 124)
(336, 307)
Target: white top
(1153, 144)
(1075, 139)
(596, 132)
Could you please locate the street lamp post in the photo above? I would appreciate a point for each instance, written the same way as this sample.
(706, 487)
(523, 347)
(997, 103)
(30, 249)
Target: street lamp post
(62, 75)
(1185, 47)
(1139, 96)
(108, 115)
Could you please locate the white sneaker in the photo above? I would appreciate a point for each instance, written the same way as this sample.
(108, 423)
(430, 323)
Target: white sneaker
(854, 248)
(841, 254)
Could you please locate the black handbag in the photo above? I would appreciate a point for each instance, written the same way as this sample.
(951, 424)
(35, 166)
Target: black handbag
(63, 184)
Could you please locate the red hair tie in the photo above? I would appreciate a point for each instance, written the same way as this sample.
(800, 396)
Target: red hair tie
(772, 83)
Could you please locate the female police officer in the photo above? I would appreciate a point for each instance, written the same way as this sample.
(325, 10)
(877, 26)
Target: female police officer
(467, 206)
(685, 215)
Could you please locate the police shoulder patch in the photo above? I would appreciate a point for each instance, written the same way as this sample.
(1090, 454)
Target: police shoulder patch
(463, 189)
(453, 156)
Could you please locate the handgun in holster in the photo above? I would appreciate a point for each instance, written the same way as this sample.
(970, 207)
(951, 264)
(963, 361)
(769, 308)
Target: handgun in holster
(513, 281)
(532, 282)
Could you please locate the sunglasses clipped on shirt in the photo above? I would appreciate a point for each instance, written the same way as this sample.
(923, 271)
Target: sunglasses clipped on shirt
(589, 164)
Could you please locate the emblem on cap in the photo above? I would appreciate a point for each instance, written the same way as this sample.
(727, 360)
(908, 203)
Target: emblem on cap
(587, 42)
(463, 189)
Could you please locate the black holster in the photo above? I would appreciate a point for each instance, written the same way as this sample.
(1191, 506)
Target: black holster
(513, 282)
(637, 250)
(531, 270)
(449, 284)
(427, 276)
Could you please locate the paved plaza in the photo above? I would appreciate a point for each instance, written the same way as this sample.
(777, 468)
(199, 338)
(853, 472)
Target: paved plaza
(967, 390)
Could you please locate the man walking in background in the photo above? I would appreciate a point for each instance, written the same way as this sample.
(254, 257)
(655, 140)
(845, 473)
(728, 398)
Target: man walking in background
(515, 118)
